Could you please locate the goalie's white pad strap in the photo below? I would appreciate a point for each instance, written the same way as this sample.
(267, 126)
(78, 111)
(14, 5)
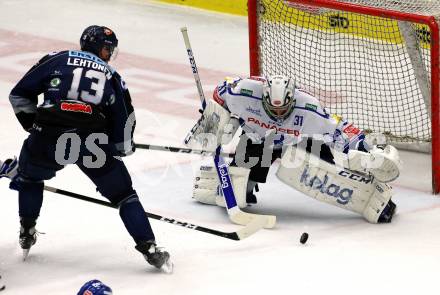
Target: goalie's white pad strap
(383, 163)
(333, 185)
(210, 128)
(207, 188)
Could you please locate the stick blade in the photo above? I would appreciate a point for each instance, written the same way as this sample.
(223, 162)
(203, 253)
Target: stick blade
(243, 218)
(252, 227)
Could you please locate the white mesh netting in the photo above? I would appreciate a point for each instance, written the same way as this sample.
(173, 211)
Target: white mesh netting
(357, 65)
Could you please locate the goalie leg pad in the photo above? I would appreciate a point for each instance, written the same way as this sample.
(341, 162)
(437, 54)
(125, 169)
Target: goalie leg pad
(334, 185)
(207, 188)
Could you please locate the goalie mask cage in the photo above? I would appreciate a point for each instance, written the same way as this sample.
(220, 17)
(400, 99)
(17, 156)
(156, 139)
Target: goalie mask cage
(374, 62)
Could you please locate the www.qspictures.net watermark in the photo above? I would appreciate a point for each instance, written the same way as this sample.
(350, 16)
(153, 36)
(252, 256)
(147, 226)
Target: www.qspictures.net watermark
(69, 145)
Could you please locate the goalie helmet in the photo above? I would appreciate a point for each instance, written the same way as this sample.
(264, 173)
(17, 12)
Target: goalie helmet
(278, 96)
(100, 41)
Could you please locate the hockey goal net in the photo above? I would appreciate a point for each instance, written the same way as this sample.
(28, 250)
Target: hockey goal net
(375, 62)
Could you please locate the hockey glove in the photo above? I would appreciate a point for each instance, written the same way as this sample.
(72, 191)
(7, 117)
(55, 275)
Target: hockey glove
(9, 168)
(125, 149)
(26, 120)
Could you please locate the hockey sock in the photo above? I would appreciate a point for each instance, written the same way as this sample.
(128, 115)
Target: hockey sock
(30, 199)
(135, 220)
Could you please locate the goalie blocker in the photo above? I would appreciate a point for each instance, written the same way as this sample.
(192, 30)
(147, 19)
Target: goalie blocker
(307, 173)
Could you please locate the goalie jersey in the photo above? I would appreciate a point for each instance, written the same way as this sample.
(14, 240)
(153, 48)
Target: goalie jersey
(307, 119)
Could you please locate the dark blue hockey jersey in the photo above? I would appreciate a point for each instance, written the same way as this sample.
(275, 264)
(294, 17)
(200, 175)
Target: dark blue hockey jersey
(76, 76)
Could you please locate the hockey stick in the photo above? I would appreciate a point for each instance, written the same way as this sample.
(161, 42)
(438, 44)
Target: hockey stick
(241, 234)
(235, 214)
(180, 150)
(195, 71)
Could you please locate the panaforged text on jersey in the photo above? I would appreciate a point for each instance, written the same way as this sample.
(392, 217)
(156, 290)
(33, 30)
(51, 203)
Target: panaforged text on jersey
(243, 99)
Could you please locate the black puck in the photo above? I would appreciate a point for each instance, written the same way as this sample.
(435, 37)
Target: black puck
(304, 238)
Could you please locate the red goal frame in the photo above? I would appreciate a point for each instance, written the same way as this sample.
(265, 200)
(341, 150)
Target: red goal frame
(430, 21)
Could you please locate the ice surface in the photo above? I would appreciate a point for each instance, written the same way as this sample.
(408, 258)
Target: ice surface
(82, 241)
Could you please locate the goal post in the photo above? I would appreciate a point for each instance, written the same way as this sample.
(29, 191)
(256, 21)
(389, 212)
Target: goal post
(375, 62)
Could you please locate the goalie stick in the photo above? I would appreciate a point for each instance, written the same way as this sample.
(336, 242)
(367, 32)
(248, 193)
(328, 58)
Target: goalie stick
(236, 215)
(180, 150)
(241, 234)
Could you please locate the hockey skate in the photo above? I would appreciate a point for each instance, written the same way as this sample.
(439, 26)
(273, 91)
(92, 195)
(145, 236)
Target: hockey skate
(388, 212)
(250, 195)
(2, 285)
(155, 256)
(251, 198)
(28, 235)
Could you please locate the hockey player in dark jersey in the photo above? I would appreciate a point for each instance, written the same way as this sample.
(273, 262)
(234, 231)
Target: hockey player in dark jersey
(87, 118)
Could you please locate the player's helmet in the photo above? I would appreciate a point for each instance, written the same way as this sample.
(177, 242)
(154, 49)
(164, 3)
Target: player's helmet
(95, 287)
(278, 96)
(100, 41)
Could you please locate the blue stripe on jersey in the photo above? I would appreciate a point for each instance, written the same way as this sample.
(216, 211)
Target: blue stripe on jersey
(243, 94)
(87, 55)
(326, 116)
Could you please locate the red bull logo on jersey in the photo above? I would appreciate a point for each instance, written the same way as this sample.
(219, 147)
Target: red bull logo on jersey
(265, 125)
(76, 107)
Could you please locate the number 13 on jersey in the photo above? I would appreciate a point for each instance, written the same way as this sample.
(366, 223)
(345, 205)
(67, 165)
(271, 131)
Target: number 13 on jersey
(96, 88)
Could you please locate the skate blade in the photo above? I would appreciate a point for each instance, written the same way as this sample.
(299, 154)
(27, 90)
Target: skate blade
(2, 286)
(25, 254)
(167, 267)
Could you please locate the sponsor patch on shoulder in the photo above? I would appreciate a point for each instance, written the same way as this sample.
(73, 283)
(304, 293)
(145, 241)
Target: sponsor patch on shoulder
(246, 91)
(312, 107)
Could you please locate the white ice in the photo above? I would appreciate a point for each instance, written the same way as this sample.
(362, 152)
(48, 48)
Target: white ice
(83, 241)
